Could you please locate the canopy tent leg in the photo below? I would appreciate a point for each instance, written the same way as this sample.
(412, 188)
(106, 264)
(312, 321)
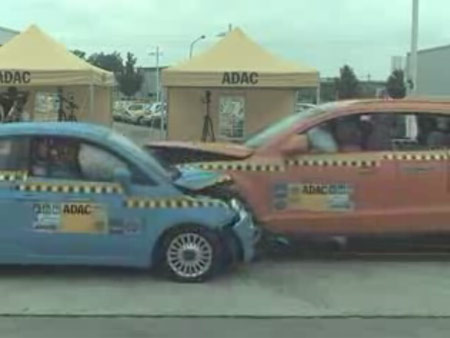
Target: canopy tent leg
(318, 94)
(91, 101)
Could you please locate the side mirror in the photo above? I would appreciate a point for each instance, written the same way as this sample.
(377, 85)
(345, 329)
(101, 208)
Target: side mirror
(123, 177)
(294, 145)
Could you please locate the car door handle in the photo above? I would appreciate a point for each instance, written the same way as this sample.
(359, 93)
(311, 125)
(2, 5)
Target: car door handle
(367, 170)
(28, 197)
(416, 169)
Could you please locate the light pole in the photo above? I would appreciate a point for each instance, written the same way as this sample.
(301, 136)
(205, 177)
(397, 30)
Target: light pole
(223, 34)
(414, 41)
(157, 54)
(191, 49)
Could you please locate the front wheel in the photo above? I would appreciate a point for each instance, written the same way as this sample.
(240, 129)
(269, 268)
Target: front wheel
(192, 254)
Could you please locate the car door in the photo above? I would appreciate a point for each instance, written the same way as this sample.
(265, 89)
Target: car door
(75, 212)
(335, 188)
(422, 176)
(13, 171)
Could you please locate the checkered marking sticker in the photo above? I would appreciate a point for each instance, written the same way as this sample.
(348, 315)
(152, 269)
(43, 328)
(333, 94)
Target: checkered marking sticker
(417, 156)
(235, 166)
(177, 203)
(13, 175)
(333, 163)
(71, 188)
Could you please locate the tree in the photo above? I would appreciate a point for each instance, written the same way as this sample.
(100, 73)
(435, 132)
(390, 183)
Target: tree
(396, 84)
(112, 62)
(79, 53)
(129, 79)
(347, 84)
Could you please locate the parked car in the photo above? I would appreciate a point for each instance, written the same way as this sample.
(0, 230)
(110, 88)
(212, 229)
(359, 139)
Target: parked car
(349, 170)
(135, 112)
(154, 119)
(158, 106)
(74, 193)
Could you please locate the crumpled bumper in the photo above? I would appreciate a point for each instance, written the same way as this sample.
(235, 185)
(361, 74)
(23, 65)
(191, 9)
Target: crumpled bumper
(247, 233)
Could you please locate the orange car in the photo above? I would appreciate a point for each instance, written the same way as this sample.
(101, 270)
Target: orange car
(345, 168)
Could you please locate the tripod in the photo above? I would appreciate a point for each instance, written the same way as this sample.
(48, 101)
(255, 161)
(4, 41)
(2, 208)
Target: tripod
(71, 106)
(208, 127)
(14, 101)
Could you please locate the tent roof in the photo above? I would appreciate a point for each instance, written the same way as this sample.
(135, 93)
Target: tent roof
(48, 61)
(238, 53)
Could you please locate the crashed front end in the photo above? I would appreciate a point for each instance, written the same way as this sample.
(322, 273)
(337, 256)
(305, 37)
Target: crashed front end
(209, 184)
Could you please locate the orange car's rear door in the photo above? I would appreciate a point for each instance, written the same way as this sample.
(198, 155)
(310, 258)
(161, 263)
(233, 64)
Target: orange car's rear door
(423, 203)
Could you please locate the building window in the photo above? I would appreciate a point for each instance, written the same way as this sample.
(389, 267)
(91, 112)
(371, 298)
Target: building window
(231, 117)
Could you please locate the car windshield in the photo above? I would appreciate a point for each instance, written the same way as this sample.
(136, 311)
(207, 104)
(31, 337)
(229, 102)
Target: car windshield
(261, 137)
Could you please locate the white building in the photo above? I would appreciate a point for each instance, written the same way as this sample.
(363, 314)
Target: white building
(433, 71)
(6, 35)
(149, 83)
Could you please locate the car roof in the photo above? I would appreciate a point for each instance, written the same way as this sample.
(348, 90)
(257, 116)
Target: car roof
(68, 129)
(411, 104)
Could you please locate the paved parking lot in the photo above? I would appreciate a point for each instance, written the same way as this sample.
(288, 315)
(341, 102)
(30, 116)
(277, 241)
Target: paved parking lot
(25, 327)
(290, 287)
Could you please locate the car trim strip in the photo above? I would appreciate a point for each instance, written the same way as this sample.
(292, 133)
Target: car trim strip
(333, 163)
(235, 166)
(176, 203)
(71, 188)
(319, 162)
(13, 175)
(436, 156)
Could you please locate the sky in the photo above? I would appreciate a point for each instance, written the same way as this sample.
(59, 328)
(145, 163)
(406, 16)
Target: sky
(325, 34)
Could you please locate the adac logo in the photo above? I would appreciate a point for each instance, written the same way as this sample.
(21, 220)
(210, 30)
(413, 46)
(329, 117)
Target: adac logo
(240, 78)
(77, 209)
(14, 77)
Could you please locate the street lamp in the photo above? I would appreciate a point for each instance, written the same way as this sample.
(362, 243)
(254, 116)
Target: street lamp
(223, 34)
(191, 49)
(412, 78)
(157, 53)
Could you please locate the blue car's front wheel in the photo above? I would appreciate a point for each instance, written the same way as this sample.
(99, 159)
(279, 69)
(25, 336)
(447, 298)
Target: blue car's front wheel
(192, 254)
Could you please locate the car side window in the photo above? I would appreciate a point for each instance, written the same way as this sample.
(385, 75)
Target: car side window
(99, 164)
(321, 140)
(14, 154)
(433, 131)
(408, 132)
(72, 159)
(363, 132)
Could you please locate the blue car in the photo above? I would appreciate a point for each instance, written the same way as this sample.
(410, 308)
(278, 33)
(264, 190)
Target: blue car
(81, 194)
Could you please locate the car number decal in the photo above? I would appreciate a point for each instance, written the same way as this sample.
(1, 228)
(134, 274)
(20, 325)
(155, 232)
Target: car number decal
(313, 196)
(70, 217)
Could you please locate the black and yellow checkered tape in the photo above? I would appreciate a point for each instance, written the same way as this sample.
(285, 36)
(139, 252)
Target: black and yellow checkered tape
(333, 162)
(13, 175)
(322, 161)
(71, 188)
(417, 156)
(235, 166)
(175, 203)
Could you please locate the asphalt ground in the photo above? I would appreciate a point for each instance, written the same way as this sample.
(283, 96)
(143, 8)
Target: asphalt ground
(223, 327)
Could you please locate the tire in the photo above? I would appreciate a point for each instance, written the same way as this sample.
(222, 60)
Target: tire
(191, 254)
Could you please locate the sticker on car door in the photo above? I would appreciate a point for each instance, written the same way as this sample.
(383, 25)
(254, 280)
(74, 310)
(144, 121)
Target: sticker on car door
(313, 196)
(70, 217)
